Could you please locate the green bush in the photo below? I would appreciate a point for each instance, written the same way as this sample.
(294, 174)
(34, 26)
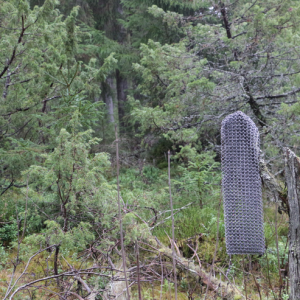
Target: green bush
(8, 233)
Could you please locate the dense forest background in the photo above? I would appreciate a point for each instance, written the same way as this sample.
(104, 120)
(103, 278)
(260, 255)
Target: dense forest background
(81, 78)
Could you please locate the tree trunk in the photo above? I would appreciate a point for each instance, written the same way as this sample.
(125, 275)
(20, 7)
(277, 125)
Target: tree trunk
(108, 99)
(121, 94)
(292, 172)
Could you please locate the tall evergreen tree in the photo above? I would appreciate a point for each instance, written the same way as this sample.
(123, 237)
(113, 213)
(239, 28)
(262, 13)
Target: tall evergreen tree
(41, 83)
(247, 60)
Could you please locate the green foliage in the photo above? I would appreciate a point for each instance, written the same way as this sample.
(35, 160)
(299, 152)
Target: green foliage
(272, 263)
(194, 221)
(186, 69)
(8, 233)
(39, 97)
(135, 229)
(148, 21)
(70, 185)
(73, 241)
(170, 88)
(201, 173)
(150, 173)
(4, 257)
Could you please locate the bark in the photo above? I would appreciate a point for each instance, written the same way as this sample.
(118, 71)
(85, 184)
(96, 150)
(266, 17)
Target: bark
(122, 86)
(275, 188)
(292, 172)
(256, 110)
(269, 181)
(14, 53)
(108, 99)
(255, 107)
(55, 266)
(252, 102)
(225, 20)
(7, 82)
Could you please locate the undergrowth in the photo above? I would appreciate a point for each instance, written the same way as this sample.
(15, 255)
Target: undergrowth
(197, 228)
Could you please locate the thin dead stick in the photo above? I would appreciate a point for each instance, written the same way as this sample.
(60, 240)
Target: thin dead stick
(175, 211)
(69, 274)
(138, 269)
(195, 254)
(277, 248)
(245, 283)
(257, 286)
(11, 287)
(195, 251)
(176, 247)
(173, 227)
(162, 276)
(220, 281)
(268, 269)
(120, 215)
(26, 202)
(216, 248)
